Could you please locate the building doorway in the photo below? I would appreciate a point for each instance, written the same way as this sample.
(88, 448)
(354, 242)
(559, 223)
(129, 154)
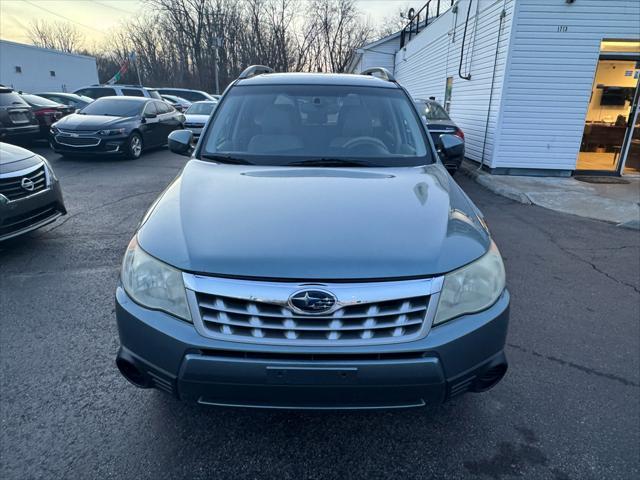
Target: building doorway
(609, 142)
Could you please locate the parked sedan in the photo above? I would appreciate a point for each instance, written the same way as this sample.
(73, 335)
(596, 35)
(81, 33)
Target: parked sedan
(197, 115)
(178, 103)
(116, 125)
(30, 195)
(17, 121)
(68, 99)
(439, 123)
(187, 93)
(46, 111)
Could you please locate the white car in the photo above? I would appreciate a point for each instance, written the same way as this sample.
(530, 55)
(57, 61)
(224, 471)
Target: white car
(197, 115)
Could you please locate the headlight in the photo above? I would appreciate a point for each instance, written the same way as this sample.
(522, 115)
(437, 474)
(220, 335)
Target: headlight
(152, 283)
(472, 288)
(115, 131)
(54, 129)
(49, 169)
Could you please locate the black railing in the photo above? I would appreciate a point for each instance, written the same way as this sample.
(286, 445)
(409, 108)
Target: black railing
(419, 20)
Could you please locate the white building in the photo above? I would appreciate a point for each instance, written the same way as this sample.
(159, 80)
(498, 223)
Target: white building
(545, 86)
(35, 69)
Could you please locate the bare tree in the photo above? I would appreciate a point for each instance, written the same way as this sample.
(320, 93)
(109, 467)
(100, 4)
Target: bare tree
(394, 22)
(341, 31)
(62, 36)
(183, 41)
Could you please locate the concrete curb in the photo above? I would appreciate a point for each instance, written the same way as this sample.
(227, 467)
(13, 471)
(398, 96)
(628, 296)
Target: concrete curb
(568, 197)
(503, 190)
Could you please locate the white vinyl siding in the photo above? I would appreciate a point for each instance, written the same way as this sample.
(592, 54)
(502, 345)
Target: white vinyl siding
(36, 64)
(377, 54)
(550, 75)
(428, 59)
(382, 55)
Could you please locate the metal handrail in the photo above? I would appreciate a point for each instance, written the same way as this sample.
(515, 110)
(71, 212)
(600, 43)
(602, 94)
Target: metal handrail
(415, 26)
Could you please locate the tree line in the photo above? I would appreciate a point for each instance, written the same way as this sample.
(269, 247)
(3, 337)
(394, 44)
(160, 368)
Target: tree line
(179, 42)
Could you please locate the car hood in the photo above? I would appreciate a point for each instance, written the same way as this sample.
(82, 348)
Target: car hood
(14, 158)
(89, 122)
(313, 223)
(193, 118)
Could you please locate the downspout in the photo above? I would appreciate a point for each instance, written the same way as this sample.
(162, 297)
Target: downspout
(503, 14)
(464, 36)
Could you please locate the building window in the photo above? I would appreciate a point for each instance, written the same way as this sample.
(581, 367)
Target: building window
(52, 73)
(18, 69)
(447, 94)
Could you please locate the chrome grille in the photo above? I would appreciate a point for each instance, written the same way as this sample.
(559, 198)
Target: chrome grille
(77, 141)
(12, 186)
(259, 312)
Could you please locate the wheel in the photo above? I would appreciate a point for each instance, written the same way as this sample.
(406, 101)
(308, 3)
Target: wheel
(134, 146)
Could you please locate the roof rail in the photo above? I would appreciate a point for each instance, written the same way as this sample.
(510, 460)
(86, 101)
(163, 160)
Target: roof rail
(383, 72)
(254, 70)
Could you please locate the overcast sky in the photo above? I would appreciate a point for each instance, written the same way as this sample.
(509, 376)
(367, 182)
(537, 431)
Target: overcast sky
(96, 18)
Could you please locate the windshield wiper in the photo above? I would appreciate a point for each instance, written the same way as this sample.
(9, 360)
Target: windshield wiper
(330, 162)
(226, 159)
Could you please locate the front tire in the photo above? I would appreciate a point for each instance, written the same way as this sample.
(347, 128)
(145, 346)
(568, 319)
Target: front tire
(134, 146)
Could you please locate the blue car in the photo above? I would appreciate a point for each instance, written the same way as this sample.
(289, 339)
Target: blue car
(313, 253)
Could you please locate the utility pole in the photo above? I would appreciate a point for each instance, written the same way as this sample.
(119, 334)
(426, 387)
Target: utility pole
(215, 64)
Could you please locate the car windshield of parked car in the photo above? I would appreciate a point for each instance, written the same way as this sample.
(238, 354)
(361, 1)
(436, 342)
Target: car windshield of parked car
(114, 107)
(200, 109)
(433, 111)
(39, 101)
(336, 125)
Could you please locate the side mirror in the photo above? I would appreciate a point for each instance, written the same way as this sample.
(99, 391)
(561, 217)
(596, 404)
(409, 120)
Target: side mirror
(452, 146)
(150, 115)
(77, 110)
(180, 142)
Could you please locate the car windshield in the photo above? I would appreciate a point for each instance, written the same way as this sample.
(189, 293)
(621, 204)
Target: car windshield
(39, 101)
(200, 109)
(114, 107)
(314, 125)
(432, 111)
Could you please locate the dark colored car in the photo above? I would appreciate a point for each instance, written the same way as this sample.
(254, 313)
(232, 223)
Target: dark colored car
(46, 111)
(69, 99)
(30, 195)
(313, 253)
(17, 121)
(116, 125)
(439, 123)
(186, 93)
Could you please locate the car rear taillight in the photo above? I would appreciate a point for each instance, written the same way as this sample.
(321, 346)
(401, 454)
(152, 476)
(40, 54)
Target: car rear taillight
(46, 111)
(459, 133)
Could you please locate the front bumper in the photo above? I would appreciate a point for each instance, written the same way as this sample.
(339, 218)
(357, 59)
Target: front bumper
(465, 354)
(25, 132)
(101, 145)
(196, 130)
(32, 212)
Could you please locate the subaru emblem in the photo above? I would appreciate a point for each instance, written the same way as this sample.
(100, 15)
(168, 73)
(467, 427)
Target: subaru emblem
(312, 301)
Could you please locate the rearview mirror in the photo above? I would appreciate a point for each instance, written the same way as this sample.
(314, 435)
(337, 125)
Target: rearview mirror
(452, 146)
(180, 142)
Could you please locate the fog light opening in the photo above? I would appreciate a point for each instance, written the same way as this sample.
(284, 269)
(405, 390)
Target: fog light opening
(490, 378)
(133, 373)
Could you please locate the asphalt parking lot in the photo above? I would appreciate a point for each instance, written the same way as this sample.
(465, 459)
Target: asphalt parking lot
(568, 408)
